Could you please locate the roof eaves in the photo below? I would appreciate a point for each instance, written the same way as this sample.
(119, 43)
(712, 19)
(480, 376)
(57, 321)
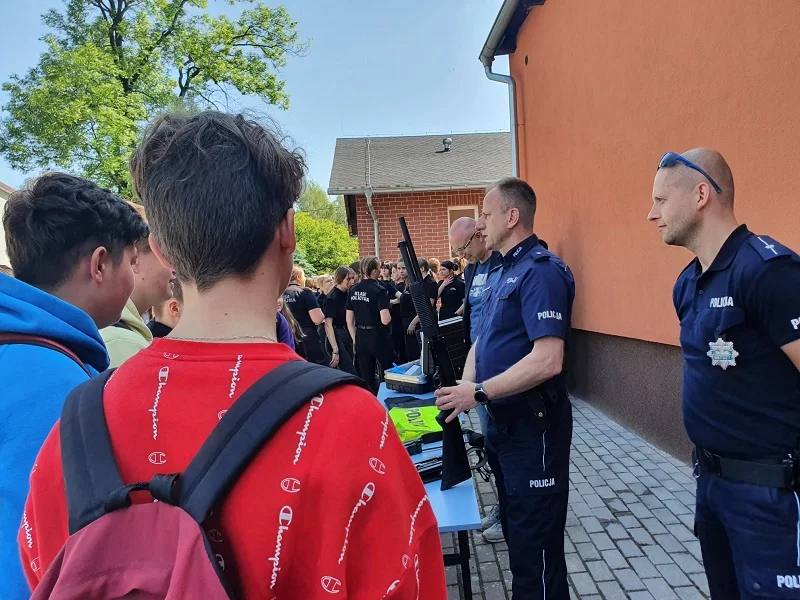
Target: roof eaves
(502, 38)
(6, 188)
(434, 187)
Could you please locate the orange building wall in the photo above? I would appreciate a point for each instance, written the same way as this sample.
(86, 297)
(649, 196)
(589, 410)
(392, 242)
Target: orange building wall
(608, 88)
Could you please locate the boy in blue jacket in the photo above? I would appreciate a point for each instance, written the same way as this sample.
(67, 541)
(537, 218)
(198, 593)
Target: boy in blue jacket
(71, 246)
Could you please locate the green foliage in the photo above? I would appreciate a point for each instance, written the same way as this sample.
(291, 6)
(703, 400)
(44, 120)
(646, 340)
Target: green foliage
(300, 259)
(315, 201)
(111, 65)
(325, 244)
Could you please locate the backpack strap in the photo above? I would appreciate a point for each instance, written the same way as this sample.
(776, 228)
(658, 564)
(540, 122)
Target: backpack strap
(252, 420)
(90, 471)
(7, 339)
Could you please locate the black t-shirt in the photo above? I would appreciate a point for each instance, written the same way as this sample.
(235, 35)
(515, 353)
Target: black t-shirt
(300, 301)
(452, 297)
(367, 299)
(407, 310)
(431, 287)
(335, 307)
(389, 287)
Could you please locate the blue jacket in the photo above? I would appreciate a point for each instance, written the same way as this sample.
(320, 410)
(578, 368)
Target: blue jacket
(35, 381)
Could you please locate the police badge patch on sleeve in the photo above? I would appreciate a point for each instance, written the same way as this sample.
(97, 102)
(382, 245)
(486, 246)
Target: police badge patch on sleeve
(722, 354)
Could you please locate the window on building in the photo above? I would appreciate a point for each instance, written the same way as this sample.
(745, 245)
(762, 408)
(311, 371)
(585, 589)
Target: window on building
(456, 212)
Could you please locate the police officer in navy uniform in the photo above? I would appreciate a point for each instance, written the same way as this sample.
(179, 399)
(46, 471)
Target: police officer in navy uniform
(738, 303)
(309, 316)
(367, 319)
(516, 369)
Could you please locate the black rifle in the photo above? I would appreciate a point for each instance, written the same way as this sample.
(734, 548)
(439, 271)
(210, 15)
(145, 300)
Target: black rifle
(455, 463)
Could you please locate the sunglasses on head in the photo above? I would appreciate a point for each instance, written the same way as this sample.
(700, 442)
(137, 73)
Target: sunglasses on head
(670, 159)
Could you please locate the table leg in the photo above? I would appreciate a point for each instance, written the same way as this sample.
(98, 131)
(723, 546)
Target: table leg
(463, 555)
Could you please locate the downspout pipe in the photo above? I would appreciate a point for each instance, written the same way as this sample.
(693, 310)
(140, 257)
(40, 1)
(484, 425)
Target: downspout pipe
(512, 111)
(368, 194)
(486, 57)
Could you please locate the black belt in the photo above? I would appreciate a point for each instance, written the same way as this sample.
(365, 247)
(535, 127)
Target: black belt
(365, 326)
(776, 475)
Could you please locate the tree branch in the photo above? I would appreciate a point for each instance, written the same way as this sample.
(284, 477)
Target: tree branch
(164, 35)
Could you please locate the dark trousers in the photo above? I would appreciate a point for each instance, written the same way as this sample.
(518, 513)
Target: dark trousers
(345, 345)
(531, 470)
(373, 347)
(399, 342)
(750, 539)
(312, 349)
(411, 342)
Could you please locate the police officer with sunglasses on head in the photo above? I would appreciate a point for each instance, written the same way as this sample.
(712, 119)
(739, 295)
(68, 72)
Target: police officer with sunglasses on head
(738, 303)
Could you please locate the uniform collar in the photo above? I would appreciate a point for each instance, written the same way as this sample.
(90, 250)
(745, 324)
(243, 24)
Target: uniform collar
(514, 255)
(728, 251)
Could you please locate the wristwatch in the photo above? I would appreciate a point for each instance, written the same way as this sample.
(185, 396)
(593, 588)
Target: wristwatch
(480, 395)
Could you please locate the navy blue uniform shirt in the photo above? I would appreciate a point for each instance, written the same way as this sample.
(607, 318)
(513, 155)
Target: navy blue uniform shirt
(530, 297)
(741, 310)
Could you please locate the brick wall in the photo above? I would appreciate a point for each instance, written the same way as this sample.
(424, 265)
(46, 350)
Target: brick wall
(426, 215)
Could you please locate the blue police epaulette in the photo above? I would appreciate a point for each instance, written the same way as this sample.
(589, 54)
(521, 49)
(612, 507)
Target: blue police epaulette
(540, 255)
(768, 248)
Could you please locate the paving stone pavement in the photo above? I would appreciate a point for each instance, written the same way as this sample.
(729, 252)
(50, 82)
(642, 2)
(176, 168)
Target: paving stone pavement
(629, 523)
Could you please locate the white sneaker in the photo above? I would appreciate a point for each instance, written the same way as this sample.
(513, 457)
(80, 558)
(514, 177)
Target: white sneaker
(494, 535)
(491, 518)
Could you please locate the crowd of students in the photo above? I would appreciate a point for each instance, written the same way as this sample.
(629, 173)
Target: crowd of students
(192, 304)
(319, 306)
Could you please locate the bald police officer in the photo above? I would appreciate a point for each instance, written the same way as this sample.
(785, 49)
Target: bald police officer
(515, 368)
(738, 303)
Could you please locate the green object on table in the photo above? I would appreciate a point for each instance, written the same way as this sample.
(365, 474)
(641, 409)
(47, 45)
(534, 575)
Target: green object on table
(413, 423)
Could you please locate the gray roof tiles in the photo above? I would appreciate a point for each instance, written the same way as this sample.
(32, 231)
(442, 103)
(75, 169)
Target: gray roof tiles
(417, 162)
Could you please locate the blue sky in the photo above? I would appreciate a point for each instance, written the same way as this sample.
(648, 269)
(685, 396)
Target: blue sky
(373, 68)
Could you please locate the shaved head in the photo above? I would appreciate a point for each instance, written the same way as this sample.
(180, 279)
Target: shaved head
(687, 209)
(465, 241)
(713, 163)
(463, 227)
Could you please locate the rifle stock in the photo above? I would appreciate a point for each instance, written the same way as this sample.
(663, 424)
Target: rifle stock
(455, 463)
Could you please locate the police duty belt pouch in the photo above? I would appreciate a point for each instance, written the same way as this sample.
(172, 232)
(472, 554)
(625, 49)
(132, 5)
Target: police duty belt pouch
(117, 549)
(413, 423)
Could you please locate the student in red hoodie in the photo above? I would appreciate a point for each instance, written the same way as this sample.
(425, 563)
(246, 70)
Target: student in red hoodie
(219, 191)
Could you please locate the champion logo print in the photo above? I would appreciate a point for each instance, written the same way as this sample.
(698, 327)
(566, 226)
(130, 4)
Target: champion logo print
(416, 569)
(215, 536)
(414, 518)
(366, 496)
(391, 588)
(221, 413)
(291, 485)
(157, 458)
(35, 566)
(331, 584)
(163, 377)
(377, 465)
(235, 376)
(385, 430)
(28, 530)
(315, 405)
(284, 521)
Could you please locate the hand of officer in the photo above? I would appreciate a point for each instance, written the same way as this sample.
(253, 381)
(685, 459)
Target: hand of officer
(335, 360)
(460, 398)
(411, 329)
